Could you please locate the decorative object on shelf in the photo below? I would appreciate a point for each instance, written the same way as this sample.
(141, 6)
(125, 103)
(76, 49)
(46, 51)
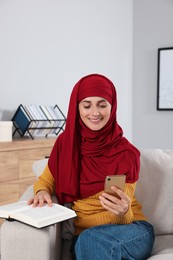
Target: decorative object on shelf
(38, 121)
(6, 131)
(165, 79)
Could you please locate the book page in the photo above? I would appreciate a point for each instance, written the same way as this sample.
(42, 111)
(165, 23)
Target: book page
(39, 216)
(43, 216)
(5, 210)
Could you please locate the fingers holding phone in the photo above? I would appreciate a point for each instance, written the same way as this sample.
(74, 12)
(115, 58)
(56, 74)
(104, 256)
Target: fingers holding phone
(114, 180)
(114, 199)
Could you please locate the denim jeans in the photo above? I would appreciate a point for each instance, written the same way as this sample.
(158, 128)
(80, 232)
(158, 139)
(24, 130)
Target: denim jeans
(108, 242)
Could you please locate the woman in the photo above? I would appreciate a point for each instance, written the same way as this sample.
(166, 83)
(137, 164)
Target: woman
(92, 147)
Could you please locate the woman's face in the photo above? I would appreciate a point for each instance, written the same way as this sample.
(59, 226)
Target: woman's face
(94, 112)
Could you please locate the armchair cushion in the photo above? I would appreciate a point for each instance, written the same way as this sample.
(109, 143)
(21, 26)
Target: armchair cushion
(154, 188)
(38, 166)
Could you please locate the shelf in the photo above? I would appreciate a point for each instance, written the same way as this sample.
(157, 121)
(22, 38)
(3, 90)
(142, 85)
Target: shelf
(38, 121)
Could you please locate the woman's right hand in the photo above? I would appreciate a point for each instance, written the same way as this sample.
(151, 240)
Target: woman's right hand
(40, 198)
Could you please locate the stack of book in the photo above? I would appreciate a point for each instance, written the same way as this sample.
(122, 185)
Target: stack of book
(38, 120)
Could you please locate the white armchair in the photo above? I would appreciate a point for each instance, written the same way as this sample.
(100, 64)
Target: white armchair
(154, 190)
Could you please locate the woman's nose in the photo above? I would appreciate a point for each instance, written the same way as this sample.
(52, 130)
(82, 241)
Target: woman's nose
(95, 111)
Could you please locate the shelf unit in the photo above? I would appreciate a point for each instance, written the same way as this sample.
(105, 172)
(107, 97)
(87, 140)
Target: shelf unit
(16, 160)
(38, 121)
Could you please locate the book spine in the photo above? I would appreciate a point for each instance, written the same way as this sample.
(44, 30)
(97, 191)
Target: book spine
(49, 118)
(21, 120)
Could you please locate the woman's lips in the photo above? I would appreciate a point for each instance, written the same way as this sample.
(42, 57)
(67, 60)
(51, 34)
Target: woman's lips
(95, 120)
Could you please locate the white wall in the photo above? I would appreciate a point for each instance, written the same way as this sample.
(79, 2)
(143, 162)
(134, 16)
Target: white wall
(48, 45)
(153, 20)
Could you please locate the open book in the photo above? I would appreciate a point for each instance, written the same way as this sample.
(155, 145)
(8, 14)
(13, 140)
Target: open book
(38, 217)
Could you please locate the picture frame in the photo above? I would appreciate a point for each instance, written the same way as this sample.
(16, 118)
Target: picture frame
(165, 79)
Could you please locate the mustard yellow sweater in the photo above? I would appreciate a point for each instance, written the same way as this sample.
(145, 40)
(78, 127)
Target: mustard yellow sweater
(89, 210)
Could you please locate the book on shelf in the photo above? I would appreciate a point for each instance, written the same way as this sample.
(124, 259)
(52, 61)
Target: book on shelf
(34, 123)
(38, 217)
(36, 115)
(44, 123)
(54, 114)
(50, 119)
(21, 119)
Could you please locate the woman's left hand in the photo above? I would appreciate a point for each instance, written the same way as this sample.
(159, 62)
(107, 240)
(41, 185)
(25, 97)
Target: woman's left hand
(118, 206)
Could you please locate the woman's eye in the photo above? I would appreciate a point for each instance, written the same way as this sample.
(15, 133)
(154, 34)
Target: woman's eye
(86, 107)
(103, 106)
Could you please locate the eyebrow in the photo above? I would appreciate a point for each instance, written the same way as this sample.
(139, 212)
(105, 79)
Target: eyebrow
(99, 101)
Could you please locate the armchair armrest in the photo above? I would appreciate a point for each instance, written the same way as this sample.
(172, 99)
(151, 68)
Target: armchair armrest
(20, 241)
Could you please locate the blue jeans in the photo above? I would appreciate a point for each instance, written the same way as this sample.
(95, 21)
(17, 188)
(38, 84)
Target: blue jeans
(108, 242)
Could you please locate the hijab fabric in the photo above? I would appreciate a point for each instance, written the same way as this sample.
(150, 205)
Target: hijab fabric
(81, 158)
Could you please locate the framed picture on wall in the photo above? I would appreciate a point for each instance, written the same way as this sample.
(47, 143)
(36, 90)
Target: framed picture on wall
(165, 79)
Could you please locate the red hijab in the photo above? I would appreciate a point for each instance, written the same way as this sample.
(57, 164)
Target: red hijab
(81, 158)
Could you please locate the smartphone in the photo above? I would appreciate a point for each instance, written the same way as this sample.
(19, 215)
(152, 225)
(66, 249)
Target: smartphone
(114, 180)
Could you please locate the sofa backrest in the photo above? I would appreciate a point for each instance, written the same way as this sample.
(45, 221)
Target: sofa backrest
(155, 188)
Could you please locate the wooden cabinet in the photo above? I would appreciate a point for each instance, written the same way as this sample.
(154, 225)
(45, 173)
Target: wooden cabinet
(16, 159)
